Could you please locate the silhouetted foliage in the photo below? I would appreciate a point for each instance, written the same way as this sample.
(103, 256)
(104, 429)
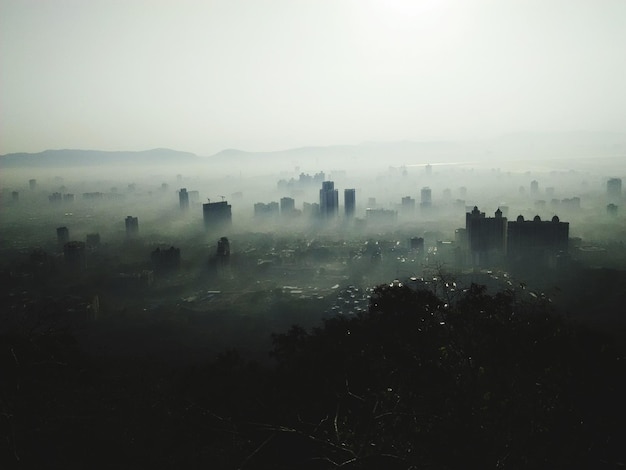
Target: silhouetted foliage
(474, 380)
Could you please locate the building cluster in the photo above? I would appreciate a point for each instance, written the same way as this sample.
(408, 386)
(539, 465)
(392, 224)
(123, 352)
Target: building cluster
(493, 240)
(59, 197)
(484, 241)
(304, 179)
(165, 259)
(327, 208)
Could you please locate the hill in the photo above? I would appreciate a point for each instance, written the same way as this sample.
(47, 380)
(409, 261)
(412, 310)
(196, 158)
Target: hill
(75, 157)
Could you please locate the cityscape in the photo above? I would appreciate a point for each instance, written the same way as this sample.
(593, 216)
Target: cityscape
(374, 234)
(177, 269)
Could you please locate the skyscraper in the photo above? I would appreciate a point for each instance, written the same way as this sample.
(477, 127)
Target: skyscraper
(349, 200)
(486, 236)
(534, 241)
(183, 199)
(329, 200)
(408, 205)
(63, 235)
(132, 226)
(74, 256)
(216, 214)
(534, 188)
(614, 189)
(426, 198)
(287, 205)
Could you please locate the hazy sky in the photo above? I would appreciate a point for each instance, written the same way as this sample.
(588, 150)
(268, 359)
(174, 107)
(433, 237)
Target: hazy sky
(272, 74)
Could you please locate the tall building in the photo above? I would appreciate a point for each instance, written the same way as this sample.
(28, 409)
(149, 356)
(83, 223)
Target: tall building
(329, 200)
(166, 259)
(266, 210)
(426, 198)
(416, 244)
(349, 201)
(32, 184)
(287, 205)
(216, 214)
(63, 235)
(571, 204)
(536, 241)
(92, 239)
(408, 205)
(381, 216)
(74, 256)
(194, 196)
(486, 237)
(311, 209)
(55, 197)
(611, 209)
(183, 199)
(534, 188)
(132, 226)
(614, 189)
(223, 251)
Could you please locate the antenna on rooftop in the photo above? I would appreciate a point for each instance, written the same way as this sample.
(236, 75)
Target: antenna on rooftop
(222, 197)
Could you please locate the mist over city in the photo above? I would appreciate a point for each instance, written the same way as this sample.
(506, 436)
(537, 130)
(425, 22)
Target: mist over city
(296, 235)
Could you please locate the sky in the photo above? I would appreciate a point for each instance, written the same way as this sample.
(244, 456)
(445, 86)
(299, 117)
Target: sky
(262, 75)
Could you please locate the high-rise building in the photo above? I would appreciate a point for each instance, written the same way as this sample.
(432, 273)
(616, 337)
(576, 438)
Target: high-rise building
(614, 189)
(311, 209)
(223, 251)
(536, 240)
(534, 188)
(74, 256)
(132, 226)
(416, 244)
(381, 216)
(55, 197)
(287, 205)
(270, 209)
(408, 205)
(426, 198)
(15, 196)
(32, 184)
(183, 199)
(486, 236)
(63, 235)
(216, 215)
(92, 239)
(571, 203)
(166, 259)
(349, 201)
(329, 200)
(611, 209)
(194, 196)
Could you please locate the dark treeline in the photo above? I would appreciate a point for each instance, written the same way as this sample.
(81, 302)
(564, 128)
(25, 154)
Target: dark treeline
(423, 379)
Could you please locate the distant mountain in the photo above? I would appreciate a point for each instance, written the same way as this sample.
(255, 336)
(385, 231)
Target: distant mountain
(73, 158)
(337, 156)
(507, 148)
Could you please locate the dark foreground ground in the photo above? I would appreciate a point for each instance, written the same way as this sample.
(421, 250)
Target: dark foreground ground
(461, 379)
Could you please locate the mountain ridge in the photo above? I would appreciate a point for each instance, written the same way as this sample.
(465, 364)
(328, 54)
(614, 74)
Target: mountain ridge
(523, 145)
(82, 157)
